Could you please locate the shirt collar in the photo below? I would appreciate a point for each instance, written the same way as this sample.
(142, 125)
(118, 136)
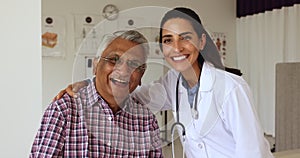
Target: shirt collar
(187, 87)
(207, 78)
(92, 97)
(89, 93)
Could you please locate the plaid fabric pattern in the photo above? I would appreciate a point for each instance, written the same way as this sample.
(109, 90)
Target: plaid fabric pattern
(86, 127)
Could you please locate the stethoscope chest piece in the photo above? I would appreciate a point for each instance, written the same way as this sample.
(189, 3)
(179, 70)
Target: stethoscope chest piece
(195, 113)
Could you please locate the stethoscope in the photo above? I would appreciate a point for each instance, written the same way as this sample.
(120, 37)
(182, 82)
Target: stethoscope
(209, 122)
(194, 111)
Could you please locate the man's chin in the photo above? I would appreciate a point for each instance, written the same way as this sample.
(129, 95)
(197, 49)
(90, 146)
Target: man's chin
(120, 95)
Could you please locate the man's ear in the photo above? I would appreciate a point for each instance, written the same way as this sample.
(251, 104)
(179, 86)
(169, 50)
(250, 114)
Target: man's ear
(142, 73)
(202, 41)
(95, 63)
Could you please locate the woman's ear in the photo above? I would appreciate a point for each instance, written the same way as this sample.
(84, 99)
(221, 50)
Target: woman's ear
(202, 41)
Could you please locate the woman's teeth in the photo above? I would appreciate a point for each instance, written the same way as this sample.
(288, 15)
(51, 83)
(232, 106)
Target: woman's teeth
(178, 58)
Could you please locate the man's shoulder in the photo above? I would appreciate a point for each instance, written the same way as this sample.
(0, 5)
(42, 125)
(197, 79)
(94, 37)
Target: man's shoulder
(62, 104)
(88, 94)
(136, 107)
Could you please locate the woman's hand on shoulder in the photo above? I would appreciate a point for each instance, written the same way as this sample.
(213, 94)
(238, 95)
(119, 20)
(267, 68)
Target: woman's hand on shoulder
(71, 89)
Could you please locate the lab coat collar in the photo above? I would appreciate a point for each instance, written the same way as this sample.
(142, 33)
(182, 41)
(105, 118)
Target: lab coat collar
(207, 77)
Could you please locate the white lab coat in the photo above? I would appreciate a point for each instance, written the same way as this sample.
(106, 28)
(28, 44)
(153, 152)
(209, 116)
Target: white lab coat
(232, 131)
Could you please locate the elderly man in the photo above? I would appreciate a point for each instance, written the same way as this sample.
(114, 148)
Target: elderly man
(104, 120)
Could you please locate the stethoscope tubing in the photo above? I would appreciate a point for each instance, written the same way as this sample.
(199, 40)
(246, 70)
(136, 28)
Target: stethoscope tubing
(177, 110)
(177, 123)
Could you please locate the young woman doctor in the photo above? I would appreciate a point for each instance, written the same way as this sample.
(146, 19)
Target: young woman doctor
(213, 107)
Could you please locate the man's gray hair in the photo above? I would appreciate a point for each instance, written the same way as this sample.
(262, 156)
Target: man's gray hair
(131, 35)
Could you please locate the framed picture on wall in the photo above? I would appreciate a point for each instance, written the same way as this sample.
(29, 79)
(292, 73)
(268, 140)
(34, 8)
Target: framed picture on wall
(86, 35)
(53, 36)
(219, 39)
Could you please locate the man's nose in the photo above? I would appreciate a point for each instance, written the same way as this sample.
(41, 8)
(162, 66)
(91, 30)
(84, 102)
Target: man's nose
(123, 67)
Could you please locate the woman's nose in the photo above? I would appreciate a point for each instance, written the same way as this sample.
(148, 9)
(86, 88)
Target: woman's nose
(177, 46)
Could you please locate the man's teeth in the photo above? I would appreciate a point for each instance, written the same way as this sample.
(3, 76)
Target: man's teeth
(118, 80)
(179, 58)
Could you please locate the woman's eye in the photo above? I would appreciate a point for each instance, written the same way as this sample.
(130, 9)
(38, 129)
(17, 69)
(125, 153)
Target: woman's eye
(186, 38)
(166, 41)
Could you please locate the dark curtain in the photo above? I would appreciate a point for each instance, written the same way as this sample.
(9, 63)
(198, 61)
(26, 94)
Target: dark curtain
(250, 7)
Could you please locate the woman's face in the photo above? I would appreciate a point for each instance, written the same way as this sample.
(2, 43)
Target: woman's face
(181, 44)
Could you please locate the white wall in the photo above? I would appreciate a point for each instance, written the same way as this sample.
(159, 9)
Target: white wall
(21, 81)
(21, 76)
(216, 15)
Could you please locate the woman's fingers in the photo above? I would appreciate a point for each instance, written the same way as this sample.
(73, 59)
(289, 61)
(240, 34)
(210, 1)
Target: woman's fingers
(71, 89)
(59, 95)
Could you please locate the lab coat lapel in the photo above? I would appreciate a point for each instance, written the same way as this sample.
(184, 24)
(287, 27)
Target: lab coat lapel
(210, 112)
(184, 106)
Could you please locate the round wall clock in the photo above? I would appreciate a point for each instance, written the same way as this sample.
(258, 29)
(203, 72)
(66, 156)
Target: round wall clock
(110, 12)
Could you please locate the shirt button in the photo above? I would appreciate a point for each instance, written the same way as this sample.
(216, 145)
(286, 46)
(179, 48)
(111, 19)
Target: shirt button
(200, 146)
(109, 118)
(108, 144)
